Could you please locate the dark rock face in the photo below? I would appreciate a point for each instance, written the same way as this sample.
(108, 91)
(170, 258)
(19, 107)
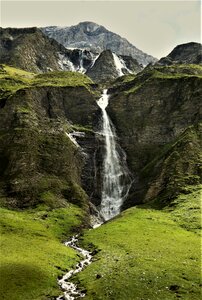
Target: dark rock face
(132, 64)
(39, 163)
(105, 69)
(157, 122)
(91, 36)
(190, 53)
(82, 59)
(30, 50)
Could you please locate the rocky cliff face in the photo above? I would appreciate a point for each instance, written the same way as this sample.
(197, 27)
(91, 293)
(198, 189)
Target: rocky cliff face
(40, 160)
(109, 66)
(50, 151)
(30, 50)
(190, 53)
(157, 115)
(91, 36)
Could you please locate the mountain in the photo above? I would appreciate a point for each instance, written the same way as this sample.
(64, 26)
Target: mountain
(109, 66)
(38, 113)
(51, 170)
(149, 127)
(189, 53)
(91, 36)
(31, 50)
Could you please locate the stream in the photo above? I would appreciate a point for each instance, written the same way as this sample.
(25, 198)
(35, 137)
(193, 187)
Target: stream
(70, 289)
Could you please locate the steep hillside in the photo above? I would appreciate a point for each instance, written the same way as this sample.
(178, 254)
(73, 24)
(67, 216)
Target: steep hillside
(190, 53)
(109, 66)
(91, 36)
(156, 114)
(40, 163)
(31, 50)
(155, 253)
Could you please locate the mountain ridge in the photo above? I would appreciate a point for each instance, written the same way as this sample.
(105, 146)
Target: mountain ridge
(31, 50)
(84, 32)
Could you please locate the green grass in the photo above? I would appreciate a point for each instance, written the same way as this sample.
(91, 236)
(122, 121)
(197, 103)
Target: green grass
(144, 254)
(62, 78)
(13, 79)
(32, 254)
(186, 209)
(172, 72)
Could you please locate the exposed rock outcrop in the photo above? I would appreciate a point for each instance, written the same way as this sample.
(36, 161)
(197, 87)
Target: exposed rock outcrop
(190, 53)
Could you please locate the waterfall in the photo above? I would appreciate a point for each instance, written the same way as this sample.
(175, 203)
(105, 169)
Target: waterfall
(116, 180)
(120, 65)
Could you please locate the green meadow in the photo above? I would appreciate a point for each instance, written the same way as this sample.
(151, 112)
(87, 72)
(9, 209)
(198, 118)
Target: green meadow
(147, 254)
(32, 253)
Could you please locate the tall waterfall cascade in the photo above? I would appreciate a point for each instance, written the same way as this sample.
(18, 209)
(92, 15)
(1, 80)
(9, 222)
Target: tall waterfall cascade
(116, 180)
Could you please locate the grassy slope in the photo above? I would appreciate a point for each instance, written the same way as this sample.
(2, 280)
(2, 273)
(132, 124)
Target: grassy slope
(31, 251)
(13, 79)
(147, 254)
(131, 83)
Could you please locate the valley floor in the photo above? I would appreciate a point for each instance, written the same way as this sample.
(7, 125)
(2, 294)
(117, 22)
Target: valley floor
(31, 251)
(142, 254)
(147, 254)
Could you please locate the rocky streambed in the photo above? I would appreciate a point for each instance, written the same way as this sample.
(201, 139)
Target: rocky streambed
(70, 290)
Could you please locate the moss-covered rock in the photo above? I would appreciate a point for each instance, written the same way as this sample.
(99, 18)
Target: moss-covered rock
(39, 162)
(153, 113)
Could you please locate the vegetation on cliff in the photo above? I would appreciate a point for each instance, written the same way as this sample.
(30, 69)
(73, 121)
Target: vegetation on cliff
(40, 163)
(13, 79)
(157, 116)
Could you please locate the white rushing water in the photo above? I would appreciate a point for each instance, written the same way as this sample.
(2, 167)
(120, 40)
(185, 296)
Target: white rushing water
(70, 289)
(120, 65)
(116, 181)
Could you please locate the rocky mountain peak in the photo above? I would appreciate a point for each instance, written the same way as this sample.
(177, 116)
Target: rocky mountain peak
(90, 27)
(94, 37)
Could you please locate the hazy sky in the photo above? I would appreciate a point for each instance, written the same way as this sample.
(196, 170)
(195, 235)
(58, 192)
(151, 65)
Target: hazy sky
(155, 27)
